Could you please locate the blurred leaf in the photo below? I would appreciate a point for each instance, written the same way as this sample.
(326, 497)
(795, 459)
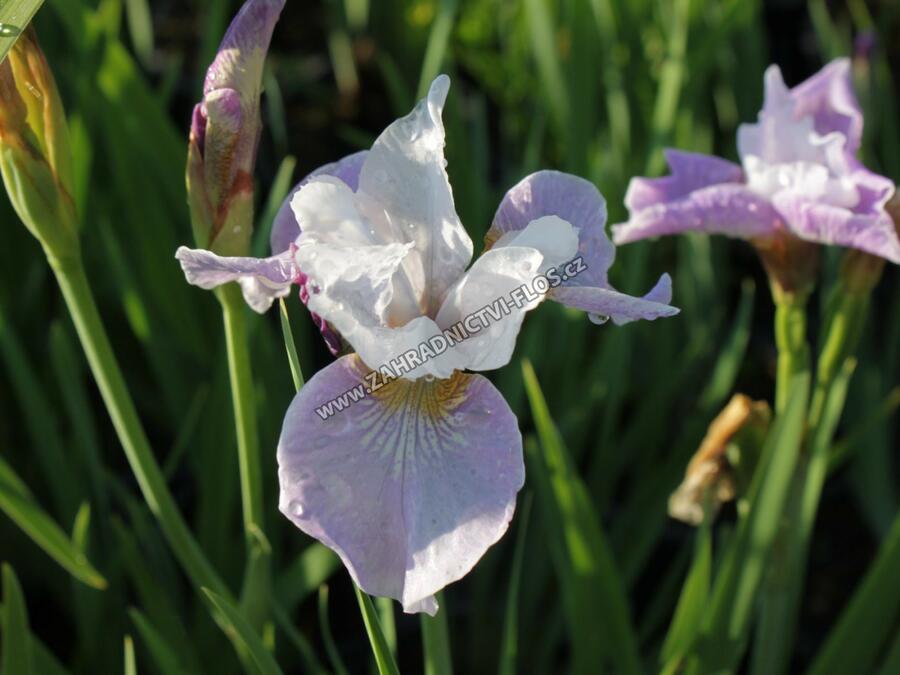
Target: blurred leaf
(436, 640)
(130, 665)
(509, 648)
(727, 621)
(870, 618)
(15, 15)
(694, 596)
(16, 658)
(140, 28)
(437, 44)
(242, 634)
(593, 592)
(17, 503)
(163, 654)
(334, 655)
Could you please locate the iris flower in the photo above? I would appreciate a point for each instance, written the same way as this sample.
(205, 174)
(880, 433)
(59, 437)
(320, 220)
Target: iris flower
(799, 178)
(412, 483)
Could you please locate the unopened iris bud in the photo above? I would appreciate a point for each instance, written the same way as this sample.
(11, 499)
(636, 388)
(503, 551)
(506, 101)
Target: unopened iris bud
(35, 154)
(225, 133)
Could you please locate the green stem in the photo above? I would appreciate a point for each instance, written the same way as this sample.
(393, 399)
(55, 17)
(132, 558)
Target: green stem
(784, 585)
(244, 407)
(790, 337)
(80, 301)
(257, 576)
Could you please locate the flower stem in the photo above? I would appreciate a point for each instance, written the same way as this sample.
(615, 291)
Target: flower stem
(790, 337)
(80, 301)
(845, 317)
(244, 407)
(256, 576)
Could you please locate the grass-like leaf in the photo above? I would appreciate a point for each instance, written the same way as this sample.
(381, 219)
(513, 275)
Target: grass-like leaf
(870, 618)
(593, 592)
(509, 648)
(17, 503)
(16, 658)
(15, 15)
(689, 611)
(734, 597)
(242, 634)
(384, 660)
(436, 641)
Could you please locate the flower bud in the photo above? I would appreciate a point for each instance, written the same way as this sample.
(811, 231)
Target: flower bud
(35, 154)
(225, 133)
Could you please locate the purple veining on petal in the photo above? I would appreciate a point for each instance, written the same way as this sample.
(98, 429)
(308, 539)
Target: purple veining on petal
(284, 228)
(729, 209)
(689, 171)
(411, 486)
(828, 96)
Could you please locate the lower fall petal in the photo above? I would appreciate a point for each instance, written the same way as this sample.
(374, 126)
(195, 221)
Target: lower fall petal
(730, 209)
(262, 280)
(824, 224)
(409, 485)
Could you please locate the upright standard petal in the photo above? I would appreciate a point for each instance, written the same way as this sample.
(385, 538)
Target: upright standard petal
(261, 279)
(828, 97)
(574, 200)
(285, 228)
(405, 194)
(578, 202)
(410, 486)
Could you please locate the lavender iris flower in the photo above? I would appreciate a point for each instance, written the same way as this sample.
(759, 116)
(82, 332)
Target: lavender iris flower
(412, 483)
(799, 177)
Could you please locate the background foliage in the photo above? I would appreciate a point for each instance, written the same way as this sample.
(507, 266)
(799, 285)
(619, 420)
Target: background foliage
(594, 87)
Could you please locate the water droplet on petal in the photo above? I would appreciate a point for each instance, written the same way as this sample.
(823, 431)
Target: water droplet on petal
(599, 319)
(8, 30)
(296, 509)
(429, 378)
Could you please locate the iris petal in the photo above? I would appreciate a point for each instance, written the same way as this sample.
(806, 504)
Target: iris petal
(411, 486)
(285, 229)
(405, 193)
(573, 199)
(729, 209)
(262, 280)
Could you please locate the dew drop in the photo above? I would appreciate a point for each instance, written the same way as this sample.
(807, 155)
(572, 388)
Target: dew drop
(429, 378)
(296, 509)
(8, 30)
(599, 319)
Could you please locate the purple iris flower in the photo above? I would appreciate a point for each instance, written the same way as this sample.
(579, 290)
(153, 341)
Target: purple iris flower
(799, 177)
(415, 480)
